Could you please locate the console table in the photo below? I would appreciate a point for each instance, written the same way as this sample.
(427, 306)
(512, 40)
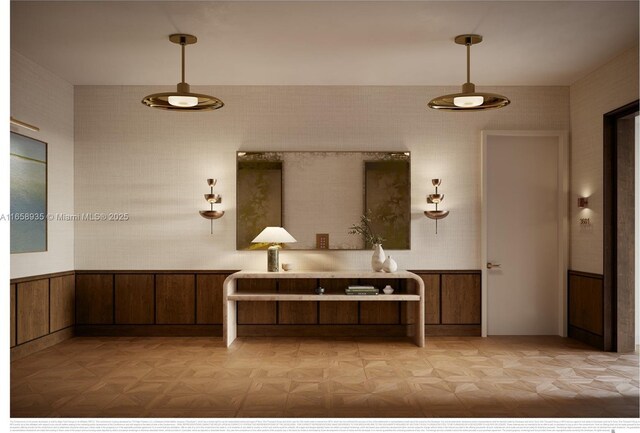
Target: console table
(231, 296)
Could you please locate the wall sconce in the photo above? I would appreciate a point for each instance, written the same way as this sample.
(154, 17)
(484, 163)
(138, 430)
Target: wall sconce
(583, 202)
(212, 199)
(436, 199)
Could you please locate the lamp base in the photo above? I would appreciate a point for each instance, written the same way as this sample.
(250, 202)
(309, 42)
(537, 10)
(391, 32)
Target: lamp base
(273, 260)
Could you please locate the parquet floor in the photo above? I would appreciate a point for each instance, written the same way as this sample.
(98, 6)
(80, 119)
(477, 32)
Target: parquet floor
(287, 377)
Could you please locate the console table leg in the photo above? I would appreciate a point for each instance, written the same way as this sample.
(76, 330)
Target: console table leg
(229, 325)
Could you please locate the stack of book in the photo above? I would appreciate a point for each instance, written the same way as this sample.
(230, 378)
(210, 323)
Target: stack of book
(361, 290)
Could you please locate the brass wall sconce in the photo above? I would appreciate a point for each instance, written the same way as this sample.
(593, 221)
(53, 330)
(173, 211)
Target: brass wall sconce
(212, 199)
(583, 202)
(436, 199)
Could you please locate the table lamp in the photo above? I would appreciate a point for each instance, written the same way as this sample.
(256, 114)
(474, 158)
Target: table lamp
(273, 236)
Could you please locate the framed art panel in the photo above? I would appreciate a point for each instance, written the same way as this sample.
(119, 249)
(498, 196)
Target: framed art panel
(28, 199)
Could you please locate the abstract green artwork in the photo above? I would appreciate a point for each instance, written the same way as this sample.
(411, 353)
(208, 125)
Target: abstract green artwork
(259, 200)
(28, 194)
(387, 198)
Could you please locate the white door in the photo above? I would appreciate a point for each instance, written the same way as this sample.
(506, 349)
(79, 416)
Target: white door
(524, 204)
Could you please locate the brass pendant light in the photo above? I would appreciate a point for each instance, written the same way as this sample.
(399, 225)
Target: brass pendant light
(182, 99)
(468, 99)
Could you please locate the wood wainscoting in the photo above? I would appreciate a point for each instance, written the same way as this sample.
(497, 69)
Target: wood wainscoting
(42, 311)
(48, 308)
(149, 302)
(452, 302)
(586, 308)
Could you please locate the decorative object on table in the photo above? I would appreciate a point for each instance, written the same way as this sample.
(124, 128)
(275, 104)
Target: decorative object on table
(469, 99)
(182, 99)
(28, 194)
(287, 267)
(212, 199)
(322, 241)
(361, 290)
(364, 229)
(319, 290)
(377, 260)
(389, 265)
(387, 290)
(436, 199)
(273, 236)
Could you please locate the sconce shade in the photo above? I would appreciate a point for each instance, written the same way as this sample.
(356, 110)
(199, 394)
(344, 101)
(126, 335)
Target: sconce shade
(274, 235)
(583, 202)
(436, 214)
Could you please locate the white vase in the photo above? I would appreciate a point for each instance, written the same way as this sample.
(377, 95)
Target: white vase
(389, 265)
(377, 259)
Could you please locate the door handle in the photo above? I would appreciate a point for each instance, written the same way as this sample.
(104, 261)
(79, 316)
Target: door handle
(492, 265)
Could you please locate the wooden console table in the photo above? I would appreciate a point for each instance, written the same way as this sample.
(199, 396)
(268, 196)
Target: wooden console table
(231, 296)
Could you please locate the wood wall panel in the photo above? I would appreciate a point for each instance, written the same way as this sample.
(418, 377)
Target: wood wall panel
(297, 313)
(380, 313)
(134, 299)
(94, 299)
(63, 302)
(176, 299)
(256, 313)
(585, 303)
(431, 298)
(461, 299)
(12, 314)
(209, 298)
(33, 310)
(337, 313)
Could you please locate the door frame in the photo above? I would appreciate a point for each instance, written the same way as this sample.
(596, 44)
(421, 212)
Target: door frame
(616, 338)
(563, 212)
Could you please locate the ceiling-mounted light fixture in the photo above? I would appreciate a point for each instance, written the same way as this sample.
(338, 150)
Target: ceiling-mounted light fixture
(183, 99)
(469, 99)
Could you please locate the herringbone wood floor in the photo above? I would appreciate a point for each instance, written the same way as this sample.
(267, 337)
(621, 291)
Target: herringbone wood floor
(298, 377)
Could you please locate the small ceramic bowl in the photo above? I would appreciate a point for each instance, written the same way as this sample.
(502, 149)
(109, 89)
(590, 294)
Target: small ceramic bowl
(287, 267)
(388, 290)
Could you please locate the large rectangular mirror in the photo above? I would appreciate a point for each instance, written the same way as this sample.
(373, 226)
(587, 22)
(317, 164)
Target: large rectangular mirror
(318, 196)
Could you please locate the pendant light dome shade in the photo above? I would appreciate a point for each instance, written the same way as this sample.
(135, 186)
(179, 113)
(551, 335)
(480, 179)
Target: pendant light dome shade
(468, 99)
(182, 99)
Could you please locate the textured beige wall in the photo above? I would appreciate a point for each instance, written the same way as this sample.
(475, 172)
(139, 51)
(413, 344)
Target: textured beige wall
(153, 165)
(607, 88)
(42, 99)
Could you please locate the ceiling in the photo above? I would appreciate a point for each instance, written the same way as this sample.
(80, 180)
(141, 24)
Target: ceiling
(323, 43)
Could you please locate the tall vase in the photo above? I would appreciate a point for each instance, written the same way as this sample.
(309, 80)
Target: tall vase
(377, 259)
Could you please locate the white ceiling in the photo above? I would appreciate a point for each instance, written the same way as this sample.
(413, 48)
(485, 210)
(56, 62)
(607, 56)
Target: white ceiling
(323, 43)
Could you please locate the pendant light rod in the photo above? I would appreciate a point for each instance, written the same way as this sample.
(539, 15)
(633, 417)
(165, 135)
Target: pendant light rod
(182, 44)
(468, 61)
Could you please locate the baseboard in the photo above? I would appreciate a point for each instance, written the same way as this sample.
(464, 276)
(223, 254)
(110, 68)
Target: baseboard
(41, 343)
(149, 330)
(587, 337)
(453, 330)
(322, 330)
(273, 330)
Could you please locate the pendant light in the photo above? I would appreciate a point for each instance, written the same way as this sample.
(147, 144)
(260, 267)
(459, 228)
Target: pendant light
(182, 99)
(468, 99)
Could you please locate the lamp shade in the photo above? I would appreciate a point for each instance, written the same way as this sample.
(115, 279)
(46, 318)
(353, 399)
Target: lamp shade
(274, 235)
